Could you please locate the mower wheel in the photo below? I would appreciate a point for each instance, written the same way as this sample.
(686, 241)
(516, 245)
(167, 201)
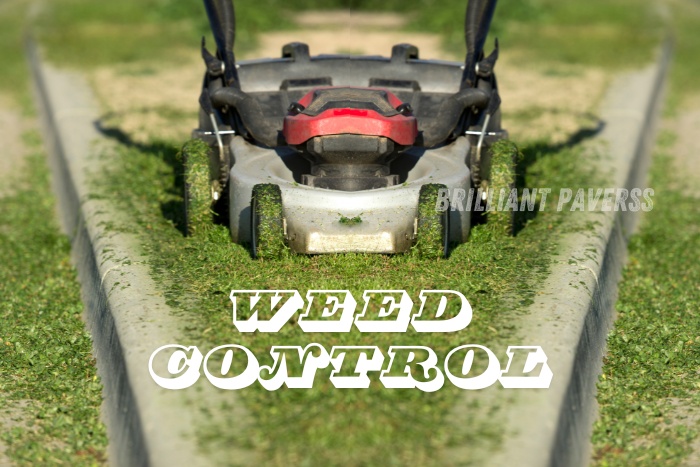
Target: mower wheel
(504, 157)
(432, 229)
(267, 222)
(197, 195)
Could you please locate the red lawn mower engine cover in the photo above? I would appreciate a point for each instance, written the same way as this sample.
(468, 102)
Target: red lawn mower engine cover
(350, 135)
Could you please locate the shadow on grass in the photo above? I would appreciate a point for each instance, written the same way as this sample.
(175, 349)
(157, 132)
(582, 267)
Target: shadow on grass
(537, 150)
(173, 210)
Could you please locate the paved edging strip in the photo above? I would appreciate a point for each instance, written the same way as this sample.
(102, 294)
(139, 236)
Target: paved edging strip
(125, 314)
(573, 313)
(572, 444)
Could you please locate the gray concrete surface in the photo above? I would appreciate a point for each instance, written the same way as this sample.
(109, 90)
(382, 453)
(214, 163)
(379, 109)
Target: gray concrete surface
(125, 313)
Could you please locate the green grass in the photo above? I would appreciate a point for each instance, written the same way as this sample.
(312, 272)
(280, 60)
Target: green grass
(616, 34)
(46, 364)
(600, 33)
(431, 223)
(505, 160)
(85, 33)
(350, 220)
(497, 273)
(88, 33)
(685, 17)
(198, 273)
(13, 73)
(50, 394)
(654, 350)
(195, 159)
(650, 377)
(266, 202)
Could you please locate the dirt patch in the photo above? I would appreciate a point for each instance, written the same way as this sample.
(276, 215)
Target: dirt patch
(349, 41)
(12, 127)
(350, 32)
(146, 101)
(687, 145)
(14, 414)
(350, 19)
(553, 102)
(685, 413)
(678, 413)
(21, 414)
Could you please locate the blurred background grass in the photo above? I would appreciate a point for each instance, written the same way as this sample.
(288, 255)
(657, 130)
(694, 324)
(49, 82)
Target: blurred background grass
(611, 34)
(593, 32)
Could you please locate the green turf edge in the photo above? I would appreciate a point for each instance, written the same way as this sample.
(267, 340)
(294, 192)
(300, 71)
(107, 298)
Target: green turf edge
(646, 392)
(46, 365)
(649, 383)
(498, 275)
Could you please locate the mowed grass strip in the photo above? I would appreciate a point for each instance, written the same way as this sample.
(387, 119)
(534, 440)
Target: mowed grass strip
(498, 274)
(48, 380)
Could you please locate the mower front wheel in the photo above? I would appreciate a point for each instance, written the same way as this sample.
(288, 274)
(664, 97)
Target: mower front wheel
(197, 192)
(432, 224)
(267, 222)
(502, 180)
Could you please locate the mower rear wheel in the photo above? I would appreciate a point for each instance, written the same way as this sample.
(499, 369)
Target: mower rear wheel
(197, 193)
(432, 224)
(504, 156)
(267, 222)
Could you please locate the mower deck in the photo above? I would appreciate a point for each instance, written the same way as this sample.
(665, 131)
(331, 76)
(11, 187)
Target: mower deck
(331, 221)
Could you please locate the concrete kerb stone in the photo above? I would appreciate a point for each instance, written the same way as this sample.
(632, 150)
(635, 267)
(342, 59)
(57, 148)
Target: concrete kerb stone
(124, 311)
(574, 310)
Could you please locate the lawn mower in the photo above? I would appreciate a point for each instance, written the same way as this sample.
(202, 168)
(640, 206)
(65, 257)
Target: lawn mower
(343, 153)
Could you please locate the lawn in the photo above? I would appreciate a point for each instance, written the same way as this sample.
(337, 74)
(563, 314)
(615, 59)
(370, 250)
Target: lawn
(197, 274)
